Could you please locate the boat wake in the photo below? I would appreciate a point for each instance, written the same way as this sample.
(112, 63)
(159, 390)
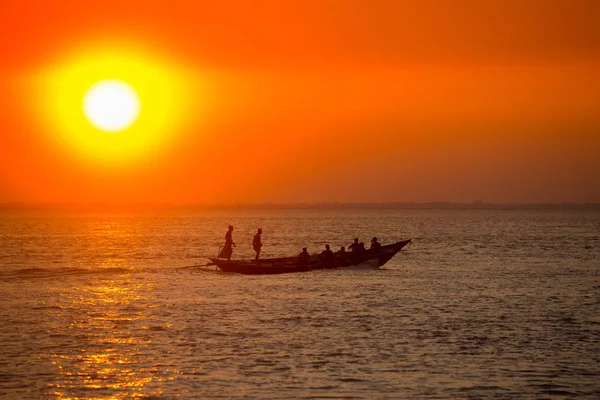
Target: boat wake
(40, 273)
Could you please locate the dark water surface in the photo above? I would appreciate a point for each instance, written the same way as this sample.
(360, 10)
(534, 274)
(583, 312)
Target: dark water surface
(484, 304)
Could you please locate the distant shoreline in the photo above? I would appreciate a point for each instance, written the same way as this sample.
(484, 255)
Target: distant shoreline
(294, 206)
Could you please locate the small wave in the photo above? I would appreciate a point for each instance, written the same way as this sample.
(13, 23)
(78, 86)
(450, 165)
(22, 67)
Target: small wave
(561, 393)
(156, 328)
(30, 270)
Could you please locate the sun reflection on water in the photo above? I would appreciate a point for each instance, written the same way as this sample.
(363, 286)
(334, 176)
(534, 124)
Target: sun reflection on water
(105, 319)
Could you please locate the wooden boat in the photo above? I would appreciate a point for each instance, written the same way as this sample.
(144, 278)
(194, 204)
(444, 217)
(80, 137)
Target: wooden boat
(284, 265)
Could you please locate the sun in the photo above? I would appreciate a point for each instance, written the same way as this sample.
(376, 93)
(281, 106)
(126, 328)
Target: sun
(115, 105)
(111, 105)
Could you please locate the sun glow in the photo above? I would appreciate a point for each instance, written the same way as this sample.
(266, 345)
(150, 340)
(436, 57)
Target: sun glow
(135, 96)
(111, 105)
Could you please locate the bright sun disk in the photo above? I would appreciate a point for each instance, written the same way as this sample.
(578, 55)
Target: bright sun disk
(111, 105)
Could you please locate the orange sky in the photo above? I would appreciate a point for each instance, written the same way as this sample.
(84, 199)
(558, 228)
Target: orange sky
(310, 101)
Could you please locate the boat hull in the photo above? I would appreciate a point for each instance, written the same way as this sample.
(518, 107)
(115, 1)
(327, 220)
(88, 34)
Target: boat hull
(285, 265)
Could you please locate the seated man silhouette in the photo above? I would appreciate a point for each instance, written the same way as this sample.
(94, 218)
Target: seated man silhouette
(327, 257)
(358, 249)
(375, 245)
(303, 258)
(341, 257)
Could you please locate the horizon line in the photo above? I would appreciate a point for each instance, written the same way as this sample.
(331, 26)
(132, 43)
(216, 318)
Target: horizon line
(143, 206)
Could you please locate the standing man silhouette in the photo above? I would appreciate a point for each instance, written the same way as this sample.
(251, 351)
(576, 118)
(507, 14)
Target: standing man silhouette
(257, 243)
(227, 248)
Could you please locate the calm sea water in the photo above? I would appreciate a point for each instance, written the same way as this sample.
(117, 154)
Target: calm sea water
(484, 304)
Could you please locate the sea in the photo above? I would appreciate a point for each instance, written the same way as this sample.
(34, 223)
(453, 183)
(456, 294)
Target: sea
(485, 303)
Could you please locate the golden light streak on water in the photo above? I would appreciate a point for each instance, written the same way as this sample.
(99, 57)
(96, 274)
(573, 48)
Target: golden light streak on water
(102, 314)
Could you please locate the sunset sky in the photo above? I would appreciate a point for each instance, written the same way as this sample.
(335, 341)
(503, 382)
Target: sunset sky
(303, 101)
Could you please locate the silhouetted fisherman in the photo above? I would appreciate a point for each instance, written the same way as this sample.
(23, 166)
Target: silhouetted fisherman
(303, 258)
(227, 248)
(358, 249)
(327, 257)
(256, 243)
(341, 256)
(375, 245)
(354, 246)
